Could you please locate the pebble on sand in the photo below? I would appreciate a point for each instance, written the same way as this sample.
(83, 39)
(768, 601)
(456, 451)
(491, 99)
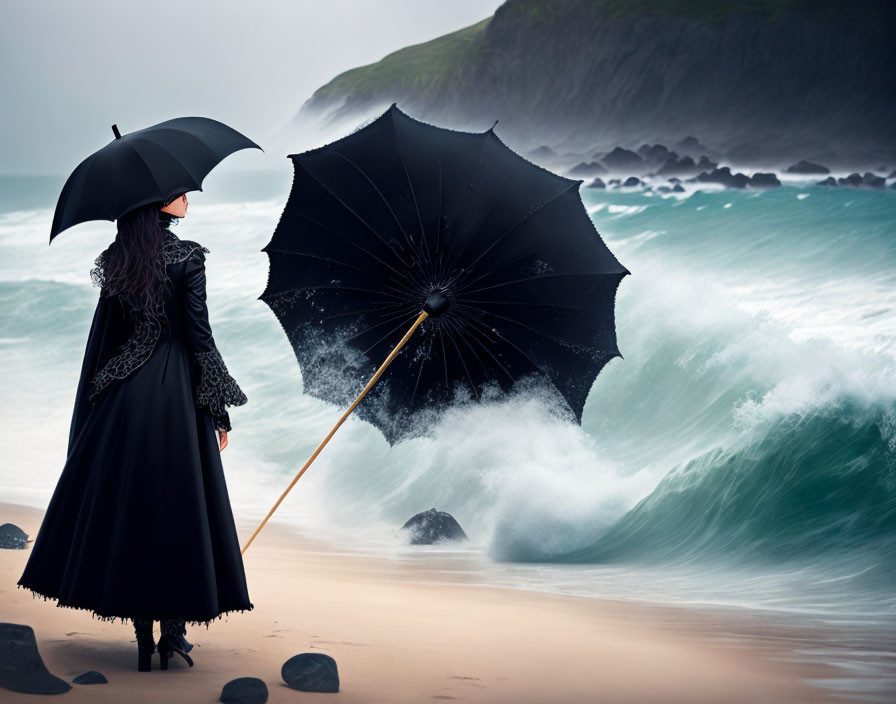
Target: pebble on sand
(311, 672)
(245, 690)
(91, 677)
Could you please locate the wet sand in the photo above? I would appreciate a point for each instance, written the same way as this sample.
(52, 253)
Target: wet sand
(407, 632)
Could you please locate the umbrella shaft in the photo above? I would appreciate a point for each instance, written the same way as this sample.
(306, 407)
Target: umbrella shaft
(379, 372)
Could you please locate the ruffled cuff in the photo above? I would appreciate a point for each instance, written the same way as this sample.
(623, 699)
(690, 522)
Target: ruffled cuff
(222, 422)
(217, 389)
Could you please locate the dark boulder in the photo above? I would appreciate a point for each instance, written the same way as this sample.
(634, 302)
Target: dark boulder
(613, 182)
(691, 145)
(311, 672)
(870, 180)
(680, 167)
(724, 177)
(678, 188)
(21, 667)
(431, 526)
(654, 154)
(622, 159)
(807, 167)
(764, 180)
(706, 164)
(829, 181)
(597, 183)
(245, 690)
(91, 677)
(542, 152)
(591, 168)
(855, 180)
(631, 181)
(12, 537)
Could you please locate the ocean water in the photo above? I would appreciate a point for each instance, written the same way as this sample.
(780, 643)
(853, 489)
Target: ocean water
(741, 454)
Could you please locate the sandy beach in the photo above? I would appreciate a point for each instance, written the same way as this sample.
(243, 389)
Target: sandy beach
(406, 633)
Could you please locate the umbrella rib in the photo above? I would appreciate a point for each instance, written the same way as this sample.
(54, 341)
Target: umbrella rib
(439, 223)
(474, 332)
(359, 312)
(476, 232)
(456, 325)
(462, 361)
(349, 209)
(74, 197)
(317, 256)
(149, 170)
(344, 239)
(545, 276)
(196, 182)
(444, 361)
(518, 349)
(473, 179)
(388, 320)
(413, 195)
(420, 372)
(524, 303)
(522, 220)
(373, 327)
(329, 288)
(499, 269)
(188, 134)
(391, 212)
(523, 325)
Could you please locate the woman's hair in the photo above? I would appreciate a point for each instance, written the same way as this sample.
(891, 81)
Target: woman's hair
(133, 267)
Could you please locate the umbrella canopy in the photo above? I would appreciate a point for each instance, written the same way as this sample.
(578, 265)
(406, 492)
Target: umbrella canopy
(402, 216)
(149, 165)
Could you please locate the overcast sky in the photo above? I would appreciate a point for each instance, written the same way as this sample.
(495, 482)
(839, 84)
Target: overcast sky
(68, 70)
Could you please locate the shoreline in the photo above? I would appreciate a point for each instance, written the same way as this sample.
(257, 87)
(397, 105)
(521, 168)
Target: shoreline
(399, 636)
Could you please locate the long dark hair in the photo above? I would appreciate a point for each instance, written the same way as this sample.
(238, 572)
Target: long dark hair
(133, 267)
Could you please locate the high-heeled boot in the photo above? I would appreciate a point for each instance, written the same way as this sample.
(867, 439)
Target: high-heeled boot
(185, 645)
(146, 646)
(170, 641)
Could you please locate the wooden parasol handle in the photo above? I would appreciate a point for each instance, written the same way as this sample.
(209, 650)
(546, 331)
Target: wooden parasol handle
(379, 372)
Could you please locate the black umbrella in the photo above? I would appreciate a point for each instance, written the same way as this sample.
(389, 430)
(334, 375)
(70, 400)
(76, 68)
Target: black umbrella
(403, 224)
(149, 165)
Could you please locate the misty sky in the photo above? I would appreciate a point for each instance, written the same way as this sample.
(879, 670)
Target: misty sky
(68, 70)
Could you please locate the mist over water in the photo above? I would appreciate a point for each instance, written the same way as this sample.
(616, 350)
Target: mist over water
(743, 450)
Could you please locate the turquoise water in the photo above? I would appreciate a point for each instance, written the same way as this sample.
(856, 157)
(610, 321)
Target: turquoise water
(742, 453)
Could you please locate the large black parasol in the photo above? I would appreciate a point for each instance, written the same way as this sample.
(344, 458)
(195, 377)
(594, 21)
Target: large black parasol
(145, 166)
(404, 224)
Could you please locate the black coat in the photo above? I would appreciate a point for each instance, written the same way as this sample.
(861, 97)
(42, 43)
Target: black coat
(140, 523)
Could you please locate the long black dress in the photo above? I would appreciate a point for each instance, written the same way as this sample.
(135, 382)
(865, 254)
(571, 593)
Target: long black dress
(140, 524)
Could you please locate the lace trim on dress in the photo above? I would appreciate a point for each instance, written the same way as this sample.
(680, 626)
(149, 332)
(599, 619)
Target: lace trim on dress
(138, 348)
(217, 389)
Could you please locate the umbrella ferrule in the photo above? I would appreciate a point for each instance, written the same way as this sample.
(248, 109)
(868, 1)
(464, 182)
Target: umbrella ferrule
(436, 303)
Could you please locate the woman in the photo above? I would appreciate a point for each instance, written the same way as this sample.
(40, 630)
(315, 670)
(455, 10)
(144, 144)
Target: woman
(139, 526)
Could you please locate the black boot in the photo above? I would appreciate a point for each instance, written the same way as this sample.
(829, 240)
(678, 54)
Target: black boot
(185, 645)
(171, 641)
(145, 644)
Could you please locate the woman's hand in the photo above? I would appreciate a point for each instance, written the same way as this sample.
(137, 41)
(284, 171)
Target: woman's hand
(222, 439)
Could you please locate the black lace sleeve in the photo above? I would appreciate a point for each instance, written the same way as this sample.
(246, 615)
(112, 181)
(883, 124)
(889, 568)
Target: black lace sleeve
(216, 389)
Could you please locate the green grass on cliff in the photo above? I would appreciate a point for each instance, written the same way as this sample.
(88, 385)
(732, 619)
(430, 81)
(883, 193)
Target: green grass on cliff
(548, 12)
(419, 67)
(428, 66)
